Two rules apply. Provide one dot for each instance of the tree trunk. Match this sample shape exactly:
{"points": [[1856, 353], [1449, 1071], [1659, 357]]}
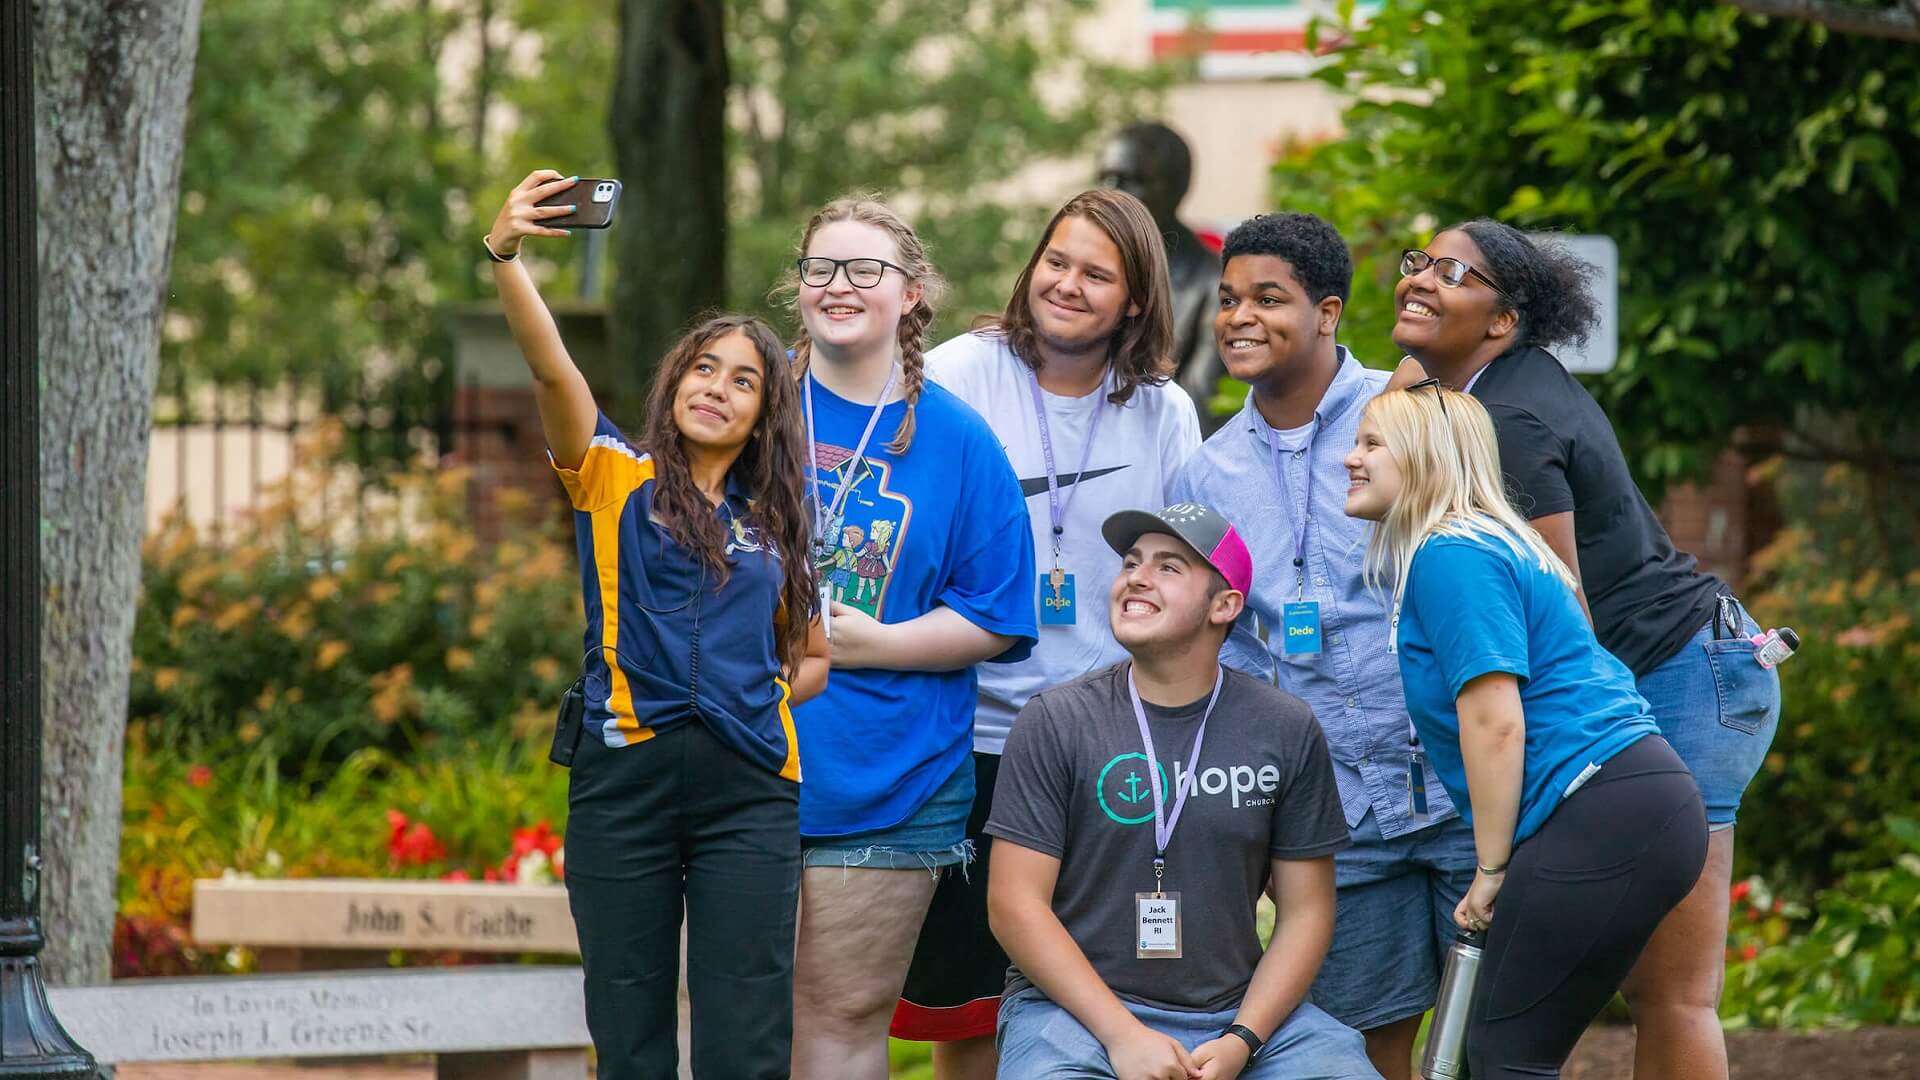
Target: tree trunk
{"points": [[668, 125], [111, 80]]}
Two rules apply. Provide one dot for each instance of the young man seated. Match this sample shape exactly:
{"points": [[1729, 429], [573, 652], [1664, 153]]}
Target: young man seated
{"points": [[1140, 813]]}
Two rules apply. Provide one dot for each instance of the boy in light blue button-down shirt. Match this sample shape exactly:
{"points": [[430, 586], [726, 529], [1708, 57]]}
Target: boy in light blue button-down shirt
{"points": [[1278, 463]]}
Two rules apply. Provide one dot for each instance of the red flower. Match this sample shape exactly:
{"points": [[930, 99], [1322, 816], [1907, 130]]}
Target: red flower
{"points": [[1740, 891], [199, 776], [1749, 952], [456, 875], [412, 845]]}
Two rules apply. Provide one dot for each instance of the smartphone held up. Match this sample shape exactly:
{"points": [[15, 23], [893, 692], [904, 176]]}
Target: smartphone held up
{"points": [[595, 199]]}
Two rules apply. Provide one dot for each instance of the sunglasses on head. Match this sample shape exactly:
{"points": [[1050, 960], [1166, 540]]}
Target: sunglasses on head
{"points": [[1439, 392], [1452, 272]]}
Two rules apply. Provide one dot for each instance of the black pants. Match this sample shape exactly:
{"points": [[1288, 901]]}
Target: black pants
{"points": [[681, 820], [1582, 897]]}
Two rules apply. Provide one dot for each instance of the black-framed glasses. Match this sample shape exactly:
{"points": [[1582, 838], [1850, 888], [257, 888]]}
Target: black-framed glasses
{"points": [[1439, 392], [861, 273], [1451, 272]]}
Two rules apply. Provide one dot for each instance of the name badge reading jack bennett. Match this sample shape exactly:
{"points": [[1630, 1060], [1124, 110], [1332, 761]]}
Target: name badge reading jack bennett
{"points": [[1157, 922]]}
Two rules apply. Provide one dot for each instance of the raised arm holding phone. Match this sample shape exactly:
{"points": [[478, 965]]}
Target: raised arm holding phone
{"points": [[700, 636]]}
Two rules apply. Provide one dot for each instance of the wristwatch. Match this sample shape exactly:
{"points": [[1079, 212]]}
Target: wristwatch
{"points": [[1246, 1035]]}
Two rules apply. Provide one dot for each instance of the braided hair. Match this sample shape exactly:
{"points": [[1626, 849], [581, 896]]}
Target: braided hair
{"points": [[911, 334]]}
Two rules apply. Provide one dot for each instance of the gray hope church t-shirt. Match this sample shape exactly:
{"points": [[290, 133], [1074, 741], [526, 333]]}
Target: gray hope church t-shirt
{"points": [[1073, 784]]}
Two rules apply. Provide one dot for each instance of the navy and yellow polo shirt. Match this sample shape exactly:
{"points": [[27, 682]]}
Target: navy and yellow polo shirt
{"points": [[684, 650]]}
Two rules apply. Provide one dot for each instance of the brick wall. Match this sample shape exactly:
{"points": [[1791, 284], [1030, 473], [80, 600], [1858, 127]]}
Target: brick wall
{"points": [[1719, 521], [497, 436]]}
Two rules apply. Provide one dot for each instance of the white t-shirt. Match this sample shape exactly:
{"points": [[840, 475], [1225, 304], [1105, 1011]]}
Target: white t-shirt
{"points": [[1141, 445]]}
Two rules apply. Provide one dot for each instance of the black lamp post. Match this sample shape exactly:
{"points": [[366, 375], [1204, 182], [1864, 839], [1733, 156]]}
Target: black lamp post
{"points": [[32, 1043]]}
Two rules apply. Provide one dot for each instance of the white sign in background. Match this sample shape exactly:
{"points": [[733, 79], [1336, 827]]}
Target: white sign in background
{"points": [[1603, 348]]}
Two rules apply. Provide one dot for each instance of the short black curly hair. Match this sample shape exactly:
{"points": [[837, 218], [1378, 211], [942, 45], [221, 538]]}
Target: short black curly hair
{"points": [[1542, 281], [1316, 250]]}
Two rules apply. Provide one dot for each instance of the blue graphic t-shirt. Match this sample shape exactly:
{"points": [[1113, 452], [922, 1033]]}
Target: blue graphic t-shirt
{"points": [[1475, 606], [944, 523]]}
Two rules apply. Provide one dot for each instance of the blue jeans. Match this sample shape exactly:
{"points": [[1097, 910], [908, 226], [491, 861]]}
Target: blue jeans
{"points": [[1718, 708], [1393, 921], [933, 838], [1039, 1040]]}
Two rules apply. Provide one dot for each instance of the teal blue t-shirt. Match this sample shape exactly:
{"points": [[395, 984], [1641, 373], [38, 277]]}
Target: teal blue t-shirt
{"points": [[1475, 606]]}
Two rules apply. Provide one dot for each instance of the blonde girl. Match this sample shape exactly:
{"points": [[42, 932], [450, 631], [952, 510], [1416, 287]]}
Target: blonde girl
{"points": [[1587, 826]]}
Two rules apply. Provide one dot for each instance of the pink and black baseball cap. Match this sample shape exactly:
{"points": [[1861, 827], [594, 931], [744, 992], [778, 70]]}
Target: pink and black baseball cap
{"points": [[1202, 527]]}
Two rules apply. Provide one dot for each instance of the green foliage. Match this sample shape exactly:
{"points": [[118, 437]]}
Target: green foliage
{"points": [[1859, 962], [315, 650], [1844, 759], [208, 807], [320, 191], [1753, 173], [335, 180]]}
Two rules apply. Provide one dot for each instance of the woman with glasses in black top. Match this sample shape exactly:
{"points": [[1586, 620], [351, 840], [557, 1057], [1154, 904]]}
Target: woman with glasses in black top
{"points": [[1478, 310]]}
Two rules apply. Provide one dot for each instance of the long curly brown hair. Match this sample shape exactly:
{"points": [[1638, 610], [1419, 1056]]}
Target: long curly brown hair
{"points": [[769, 469], [912, 334], [1141, 349]]}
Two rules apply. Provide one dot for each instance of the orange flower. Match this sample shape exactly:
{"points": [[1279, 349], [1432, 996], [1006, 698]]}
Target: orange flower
{"points": [[165, 679], [459, 659], [330, 654], [199, 776], [321, 589]]}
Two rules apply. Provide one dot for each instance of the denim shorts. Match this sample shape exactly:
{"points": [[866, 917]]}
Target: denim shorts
{"points": [[932, 838], [1039, 1040], [1718, 708], [1393, 921]]}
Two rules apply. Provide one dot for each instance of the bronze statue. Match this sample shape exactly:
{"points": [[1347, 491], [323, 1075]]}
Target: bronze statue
{"points": [[1151, 162]]}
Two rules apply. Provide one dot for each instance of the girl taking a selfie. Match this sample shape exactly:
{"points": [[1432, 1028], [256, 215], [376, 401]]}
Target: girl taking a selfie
{"points": [[1587, 826], [927, 569], [700, 638]]}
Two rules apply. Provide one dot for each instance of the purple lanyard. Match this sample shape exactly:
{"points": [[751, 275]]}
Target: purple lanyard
{"points": [[1163, 823], [825, 515], [1056, 510], [1306, 501]]}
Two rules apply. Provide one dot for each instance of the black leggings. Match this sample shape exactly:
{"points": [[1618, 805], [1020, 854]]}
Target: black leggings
{"points": [[1582, 897], [682, 822]]}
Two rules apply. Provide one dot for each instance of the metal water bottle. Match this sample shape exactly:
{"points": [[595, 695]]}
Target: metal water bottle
{"points": [[1446, 1054]]}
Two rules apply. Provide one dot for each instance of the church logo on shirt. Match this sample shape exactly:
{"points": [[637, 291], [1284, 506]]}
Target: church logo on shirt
{"points": [[864, 540], [1125, 791]]}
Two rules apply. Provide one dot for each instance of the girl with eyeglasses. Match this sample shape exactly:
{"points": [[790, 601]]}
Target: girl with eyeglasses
{"points": [[698, 596], [910, 489], [1478, 310], [1587, 826]]}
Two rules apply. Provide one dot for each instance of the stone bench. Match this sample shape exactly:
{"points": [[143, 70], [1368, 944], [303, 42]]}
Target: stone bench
{"points": [[493, 1022], [319, 924]]}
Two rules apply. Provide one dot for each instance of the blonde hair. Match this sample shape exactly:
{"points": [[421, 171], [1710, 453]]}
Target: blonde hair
{"points": [[1449, 463], [912, 333]]}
